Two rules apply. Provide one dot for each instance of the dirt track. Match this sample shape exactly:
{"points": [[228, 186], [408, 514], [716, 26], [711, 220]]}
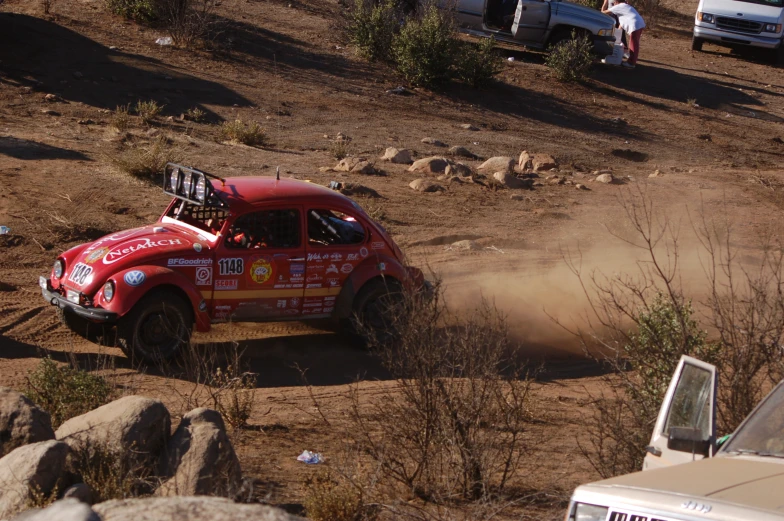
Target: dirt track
{"points": [[286, 68]]}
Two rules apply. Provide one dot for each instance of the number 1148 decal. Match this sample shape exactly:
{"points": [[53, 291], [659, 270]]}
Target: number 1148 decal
{"points": [[231, 266]]}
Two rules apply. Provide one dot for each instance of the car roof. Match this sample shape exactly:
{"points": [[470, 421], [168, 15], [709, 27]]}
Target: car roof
{"points": [[242, 193]]}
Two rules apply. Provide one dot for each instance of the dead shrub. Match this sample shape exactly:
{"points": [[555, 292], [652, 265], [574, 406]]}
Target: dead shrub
{"points": [[112, 474], [189, 22], [196, 115], [148, 110], [331, 497], [340, 148], [455, 425], [238, 131], [146, 161], [233, 390], [47, 5], [121, 118]]}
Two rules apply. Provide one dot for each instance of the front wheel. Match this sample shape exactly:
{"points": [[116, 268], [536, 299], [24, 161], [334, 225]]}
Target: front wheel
{"points": [[156, 329], [377, 310], [696, 43], [97, 333]]}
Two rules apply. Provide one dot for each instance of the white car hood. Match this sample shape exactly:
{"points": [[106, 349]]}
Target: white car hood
{"points": [[750, 11]]}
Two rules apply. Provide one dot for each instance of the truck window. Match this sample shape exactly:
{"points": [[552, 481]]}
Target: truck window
{"points": [[265, 229]]}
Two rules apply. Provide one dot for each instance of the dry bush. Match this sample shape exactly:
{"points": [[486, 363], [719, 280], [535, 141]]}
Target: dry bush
{"points": [[66, 391], [112, 474], [196, 114], [146, 161], [455, 426], [340, 148], [233, 391], [139, 10], [332, 497], [39, 499], [148, 110], [238, 131], [189, 22], [121, 118], [47, 5]]}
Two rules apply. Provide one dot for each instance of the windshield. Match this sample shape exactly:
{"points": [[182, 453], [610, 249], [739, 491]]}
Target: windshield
{"points": [[775, 3], [207, 218], [763, 431]]}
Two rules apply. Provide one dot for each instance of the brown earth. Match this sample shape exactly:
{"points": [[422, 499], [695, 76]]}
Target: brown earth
{"points": [[710, 122]]}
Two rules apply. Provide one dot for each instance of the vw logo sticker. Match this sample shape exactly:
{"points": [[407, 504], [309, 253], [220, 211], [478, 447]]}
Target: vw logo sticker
{"points": [[135, 278]]}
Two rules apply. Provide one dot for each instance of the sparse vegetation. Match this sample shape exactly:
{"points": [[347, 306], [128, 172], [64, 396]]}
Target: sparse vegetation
{"points": [[372, 26], [238, 131], [112, 474], [148, 110], [340, 148], [195, 114], [331, 498], [189, 22], [65, 392], [138, 10], [233, 392], [47, 5], [145, 161], [571, 59], [121, 118], [477, 65], [424, 50]]}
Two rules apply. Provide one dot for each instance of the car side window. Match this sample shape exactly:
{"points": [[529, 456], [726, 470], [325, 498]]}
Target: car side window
{"points": [[265, 229], [332, 227]]}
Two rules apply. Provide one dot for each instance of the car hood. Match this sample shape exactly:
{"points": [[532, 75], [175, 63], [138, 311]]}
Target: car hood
{"points": [[123, 250], [750, 482], [750, 10], [592, 15]]}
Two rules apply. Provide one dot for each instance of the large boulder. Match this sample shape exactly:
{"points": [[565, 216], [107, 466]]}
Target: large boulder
{"points": [[423, 185], [536, 162], [33, 468], [133, 425], [434, 142], [201, 508], [430, 165], [21, 421], [507, 180], [199, 458], [605, 178], [462, 152], [347, 164], [401, 157], [497, 164], [64, 510], [458, 169]]}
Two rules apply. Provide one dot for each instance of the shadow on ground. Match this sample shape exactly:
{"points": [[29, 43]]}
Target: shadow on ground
{"points": [[26, 150]]}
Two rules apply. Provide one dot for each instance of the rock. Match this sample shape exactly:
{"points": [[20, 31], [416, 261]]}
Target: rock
{"points": [[201, 508], [78, 75], [52, 98], [21, 421], [400, 91], [49, 112], [80, 492], [347, 164], [468, 126], [423, 185], [458, 169], [462, 152], [64, 510], [497, 164], [517, 197], [31, 468], [325, 169], [600, 172], [605, 178], [342, 137], [556, 180], [400, 157], [434, 142], [536, 162], [364, 167], [86, 122], [199, 458], [135, 425], [508, 180], [356, 189], [656, 173], [450, 178], [466, 245], [429, 165], [581, 187]]}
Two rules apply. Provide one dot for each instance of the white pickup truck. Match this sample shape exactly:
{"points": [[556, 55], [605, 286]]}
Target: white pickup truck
{"points": [[684, 478], [740, 23]]}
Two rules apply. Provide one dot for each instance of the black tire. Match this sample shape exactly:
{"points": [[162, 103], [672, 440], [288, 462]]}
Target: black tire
{"points": [[373, 318], [561, 35], [96, 333], [156, 329], [696, 43]]}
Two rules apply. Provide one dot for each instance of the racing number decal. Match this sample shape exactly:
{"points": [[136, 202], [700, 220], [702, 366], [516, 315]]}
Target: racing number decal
{"points": [[231, 266], [80, 273]]}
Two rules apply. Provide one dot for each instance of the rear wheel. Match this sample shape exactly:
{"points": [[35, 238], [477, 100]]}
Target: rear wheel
{"points": [[376, 310], [156, 329], [696, 43]]}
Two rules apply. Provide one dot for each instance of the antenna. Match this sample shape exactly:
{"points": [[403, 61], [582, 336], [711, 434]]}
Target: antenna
{"points": [[277, 174]]}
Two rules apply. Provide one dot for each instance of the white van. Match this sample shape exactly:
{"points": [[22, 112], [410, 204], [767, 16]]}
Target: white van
{"points": [[740, 23]]}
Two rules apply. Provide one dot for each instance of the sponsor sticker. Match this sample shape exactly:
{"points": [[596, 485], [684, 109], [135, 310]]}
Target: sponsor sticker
{"points": [[282, 303], [202, 306], [329, 299], [332, 269], [363, 251], [96, 255], [313, 286], [233, 266], [313, 277], [297, 269], [329, 309], [197, 247], [377, 245], [352, 257], [261, 270], [291, 312], [225, 284], [311, 304], [79, 274], [135, 278], [382, 266], [316, 257], [346, 268], [223, 308], [204, 276], [189, 262], [294, 302], [333, 282], [336, 257], [135, 245]]}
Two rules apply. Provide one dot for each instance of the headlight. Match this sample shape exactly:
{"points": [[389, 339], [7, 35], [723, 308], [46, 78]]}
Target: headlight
{"points": [[772, 28], [58, 268], [705, 17], [584, 512], [186, 184], [108, 291], [174, 179], [201, 188], [605, 32]]}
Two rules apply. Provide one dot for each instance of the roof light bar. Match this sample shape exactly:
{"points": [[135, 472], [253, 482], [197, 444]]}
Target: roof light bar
{"points": [[188, 184]]}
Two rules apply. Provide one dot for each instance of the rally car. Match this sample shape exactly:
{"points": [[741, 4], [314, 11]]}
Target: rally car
{"points": [[235, 249]]}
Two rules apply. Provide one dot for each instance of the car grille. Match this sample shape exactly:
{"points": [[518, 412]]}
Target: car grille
{"points": [[616, 515], [741, 26]]}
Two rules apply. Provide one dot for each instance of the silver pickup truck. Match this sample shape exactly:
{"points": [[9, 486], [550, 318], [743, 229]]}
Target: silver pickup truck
{"points": [[685, 477], [535, 23]]}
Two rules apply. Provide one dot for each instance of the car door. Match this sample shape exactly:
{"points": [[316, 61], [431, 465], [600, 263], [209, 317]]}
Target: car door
{"points": [[531, 19], [337, 242], [469, 13], [260, 266], [686, 427]]}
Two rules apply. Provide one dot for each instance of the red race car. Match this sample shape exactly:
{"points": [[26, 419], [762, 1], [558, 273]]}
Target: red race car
{"points": [[237, 249]]}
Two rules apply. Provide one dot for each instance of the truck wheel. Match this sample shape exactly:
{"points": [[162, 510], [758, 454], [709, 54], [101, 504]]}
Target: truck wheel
{"points": [[156, 329], [374, 310], [561, 35], [696, 43], [96, 333]]}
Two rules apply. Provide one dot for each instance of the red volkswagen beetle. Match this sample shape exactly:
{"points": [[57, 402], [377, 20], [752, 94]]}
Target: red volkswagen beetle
{"points": [[235, 249]]}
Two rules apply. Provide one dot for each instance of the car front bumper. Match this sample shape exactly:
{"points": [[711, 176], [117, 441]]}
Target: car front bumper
{"points": [[735, 39], [603, 45], [90, 313]]}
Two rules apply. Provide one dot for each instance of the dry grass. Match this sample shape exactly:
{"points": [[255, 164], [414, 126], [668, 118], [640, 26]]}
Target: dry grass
{"points": [[148, 110], [146, 161], [121, 118], [238, 131]]}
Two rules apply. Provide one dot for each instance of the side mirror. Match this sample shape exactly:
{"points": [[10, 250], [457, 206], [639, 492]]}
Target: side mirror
{"points": [[688, 439]]}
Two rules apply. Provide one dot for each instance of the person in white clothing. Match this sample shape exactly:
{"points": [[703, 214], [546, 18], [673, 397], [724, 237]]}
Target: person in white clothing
{"points": [[633, 24], [605, 6]]}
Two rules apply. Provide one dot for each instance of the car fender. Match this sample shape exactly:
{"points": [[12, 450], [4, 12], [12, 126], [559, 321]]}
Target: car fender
{"points": [[378, 265], [130, 287]]}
